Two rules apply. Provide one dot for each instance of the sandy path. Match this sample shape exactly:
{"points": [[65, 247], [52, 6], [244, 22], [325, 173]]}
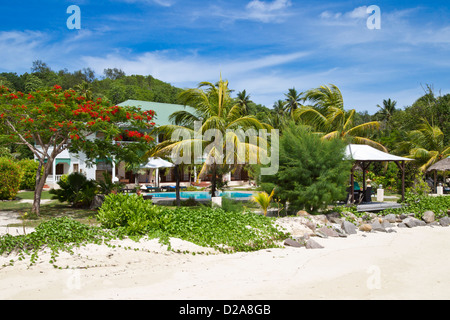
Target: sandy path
{"points": [[409, 264]]}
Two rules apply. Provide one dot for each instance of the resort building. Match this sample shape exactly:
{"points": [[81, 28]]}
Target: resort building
{"points": [[66, 162]]}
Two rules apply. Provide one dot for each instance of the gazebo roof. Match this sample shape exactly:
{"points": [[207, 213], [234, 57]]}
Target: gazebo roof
{"points": [[362, 152], [443, 165]]}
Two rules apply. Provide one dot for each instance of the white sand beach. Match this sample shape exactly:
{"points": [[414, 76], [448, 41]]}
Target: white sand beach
{"points": [[408, 264]]}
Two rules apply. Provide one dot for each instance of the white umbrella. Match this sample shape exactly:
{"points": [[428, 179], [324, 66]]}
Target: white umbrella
{"points": [[155, 163]]}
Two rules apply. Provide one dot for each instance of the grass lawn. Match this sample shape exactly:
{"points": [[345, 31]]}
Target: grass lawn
{"points": [[29, 195], [49, 210]]}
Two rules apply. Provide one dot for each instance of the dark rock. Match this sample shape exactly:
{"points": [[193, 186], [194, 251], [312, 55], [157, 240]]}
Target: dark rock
{"points": [[390, 218], [386, 224], [348, 227], [325, 232], [292, 243], [411, 222], [376, 226], [312, 244], [445, 221]]}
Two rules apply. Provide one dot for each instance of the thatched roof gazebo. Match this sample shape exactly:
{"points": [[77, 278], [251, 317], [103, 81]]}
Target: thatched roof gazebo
{"points": [[364, 155], [443, 166]]}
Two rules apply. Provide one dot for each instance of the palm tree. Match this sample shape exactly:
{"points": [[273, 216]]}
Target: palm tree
{"points": [[243, 99], [426, 145], [293, 100], [278, 118], [329, 118], [387, 110], [263, 199], [214, 109], [325, 97]]}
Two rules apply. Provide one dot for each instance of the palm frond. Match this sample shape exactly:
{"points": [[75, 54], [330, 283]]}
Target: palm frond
{"points": [[362, 140], [364, 129]]}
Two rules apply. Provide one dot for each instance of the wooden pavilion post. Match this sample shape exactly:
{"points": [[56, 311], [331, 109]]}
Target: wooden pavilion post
{"points": [[401, 166], [352, 183]]}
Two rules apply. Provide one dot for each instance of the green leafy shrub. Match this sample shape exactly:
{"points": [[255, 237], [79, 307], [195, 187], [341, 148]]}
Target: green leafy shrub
{"points": [[29, 170], [204, 226], [131, 213], [75, 189], [58, 234], [10, 176], [224, 231], [312, 172]]}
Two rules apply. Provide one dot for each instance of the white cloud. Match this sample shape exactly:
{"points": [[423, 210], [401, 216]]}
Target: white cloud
{"points": [[344, 18], [20, 48], [166, 66], [267, 11], [164, 3], [257, 10]]}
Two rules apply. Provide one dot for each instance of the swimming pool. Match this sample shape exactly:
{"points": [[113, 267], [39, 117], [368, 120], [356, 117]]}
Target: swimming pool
{"points": [[201, 195]]}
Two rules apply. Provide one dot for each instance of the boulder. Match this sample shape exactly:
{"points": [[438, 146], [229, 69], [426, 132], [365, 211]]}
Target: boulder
{"points": [[348, 227], [377, 226], [387, 224], [325, 232], [365, 227], [445, 221], [390, 218], [412, 222], [312, 244], [428, 216], [292, 243]]}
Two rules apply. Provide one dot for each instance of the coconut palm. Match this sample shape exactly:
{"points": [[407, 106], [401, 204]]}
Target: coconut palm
{"points": [[426, 145], [325, 97], [329, 118], [387, 111], [213, 109], [243, 99], [263, 199], [293, 100]]}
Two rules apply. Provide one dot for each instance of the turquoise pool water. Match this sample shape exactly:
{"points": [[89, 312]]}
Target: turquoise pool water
{"points": [[199, 195]]}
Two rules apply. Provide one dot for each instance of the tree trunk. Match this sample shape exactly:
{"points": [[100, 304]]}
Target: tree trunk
{"points": [[177, 188], [39, 186], [213, 181]]}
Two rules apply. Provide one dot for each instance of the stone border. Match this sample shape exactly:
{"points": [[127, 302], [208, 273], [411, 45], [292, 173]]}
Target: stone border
{"points": [[304, 227]]}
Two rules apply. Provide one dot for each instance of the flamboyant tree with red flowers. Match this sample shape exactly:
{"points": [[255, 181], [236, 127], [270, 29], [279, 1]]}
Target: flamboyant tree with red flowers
{"points": [[52, 120]]}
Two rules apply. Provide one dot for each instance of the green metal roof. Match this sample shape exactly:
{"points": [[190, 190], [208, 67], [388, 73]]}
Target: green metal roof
{"points": [[162, 110]]}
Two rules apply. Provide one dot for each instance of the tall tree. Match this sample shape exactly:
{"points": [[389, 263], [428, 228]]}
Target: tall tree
{"points": [[52, 120], [325, 97], [329, 118], [217, 112], [386, 111], [243, 99], [293, 100], [426, 145]]}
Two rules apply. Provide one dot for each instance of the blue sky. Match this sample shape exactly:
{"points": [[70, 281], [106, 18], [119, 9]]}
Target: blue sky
{"points": [[263, 46]]}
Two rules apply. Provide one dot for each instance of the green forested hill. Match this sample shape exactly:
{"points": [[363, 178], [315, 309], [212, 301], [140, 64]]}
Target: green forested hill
{"points": [[113, 84]]}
